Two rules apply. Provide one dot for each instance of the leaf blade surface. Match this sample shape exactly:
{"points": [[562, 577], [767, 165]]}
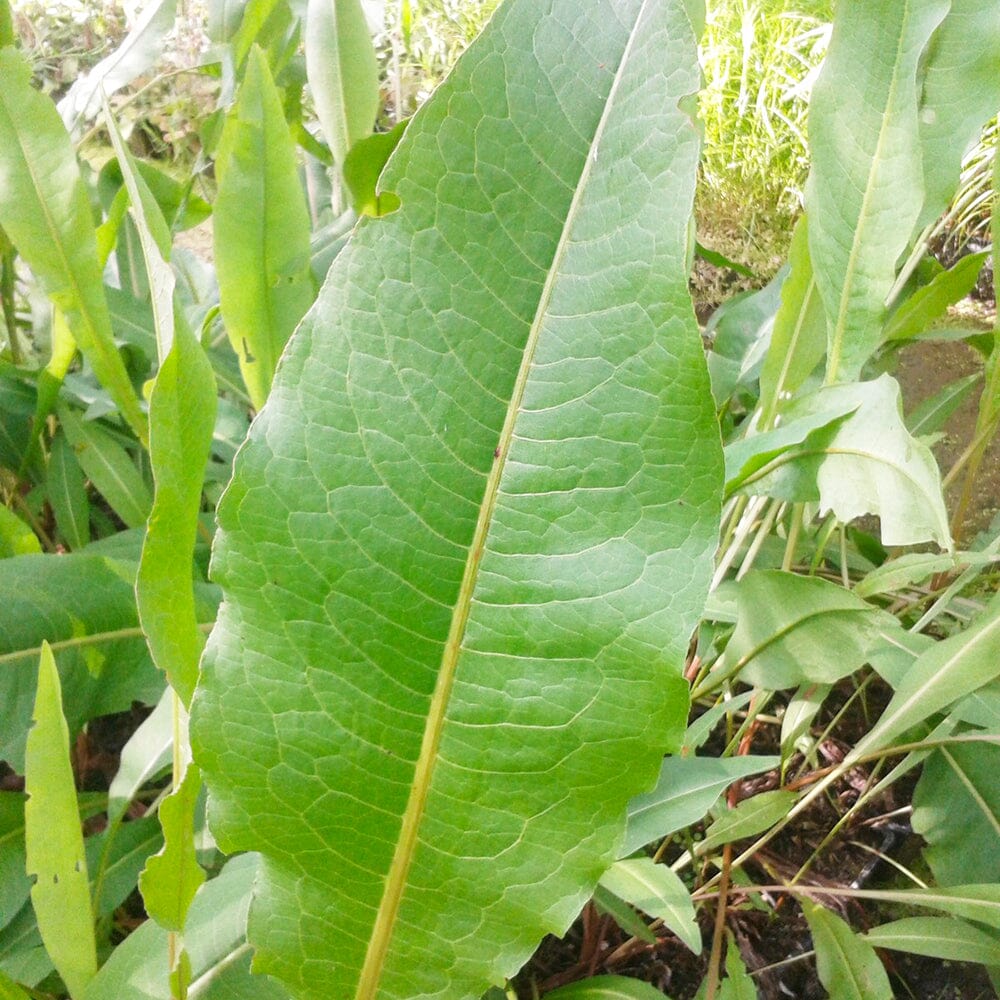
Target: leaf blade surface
{"points": [[504, 560]]}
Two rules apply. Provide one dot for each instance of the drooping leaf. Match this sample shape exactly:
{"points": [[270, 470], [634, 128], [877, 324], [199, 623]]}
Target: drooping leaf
{"points": [[54, 838], [171, 878], [261, 226], [960, 92], [794, 630], [847, 965], [956, 809], [946, 672], [215, 941], [687, 788], [363, 167], [658, 891], [489, 455], [798, 340], [863, 197], [68, 493], [608, 988], [932, 300], [343, 72], [45, 210], [868, 464], [108, 466], [937, 937], [136, 54]]}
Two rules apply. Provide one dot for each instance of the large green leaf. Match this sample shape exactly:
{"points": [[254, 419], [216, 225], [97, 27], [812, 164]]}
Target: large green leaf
{"points": [[956, 809], [608, 988], [469, 536], [261, 230], [45, 210], [864, 195], [343, 72], [54, 839]]}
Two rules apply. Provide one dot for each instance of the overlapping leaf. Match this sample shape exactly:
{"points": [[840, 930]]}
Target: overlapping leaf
{"points": [[471, 531]]}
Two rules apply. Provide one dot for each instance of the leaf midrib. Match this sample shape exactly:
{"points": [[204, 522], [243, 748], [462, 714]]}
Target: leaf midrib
{"points": [[370, 975]]}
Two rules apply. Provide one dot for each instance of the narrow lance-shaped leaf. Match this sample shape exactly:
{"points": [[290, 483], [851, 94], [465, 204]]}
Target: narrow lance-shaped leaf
{"points": [[182, 409], [172, 877], [847, 965], [865, 190], [54, 838], [798, 340], [68, 493], [45, 211], [470, 534], [343, 72], [940, 676], [261, 230]]}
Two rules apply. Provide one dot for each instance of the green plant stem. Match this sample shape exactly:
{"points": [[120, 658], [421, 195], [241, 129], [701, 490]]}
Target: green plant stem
{"points": [[7, 255], [743, 528], [776, 509], [794, 530]]}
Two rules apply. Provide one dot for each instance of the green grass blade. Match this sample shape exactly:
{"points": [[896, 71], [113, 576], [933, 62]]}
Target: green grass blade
{"points": [[54, 838], [45, 210], [261, 230], [489, 454], [343, 72], [864, 196], [847, 965]]}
